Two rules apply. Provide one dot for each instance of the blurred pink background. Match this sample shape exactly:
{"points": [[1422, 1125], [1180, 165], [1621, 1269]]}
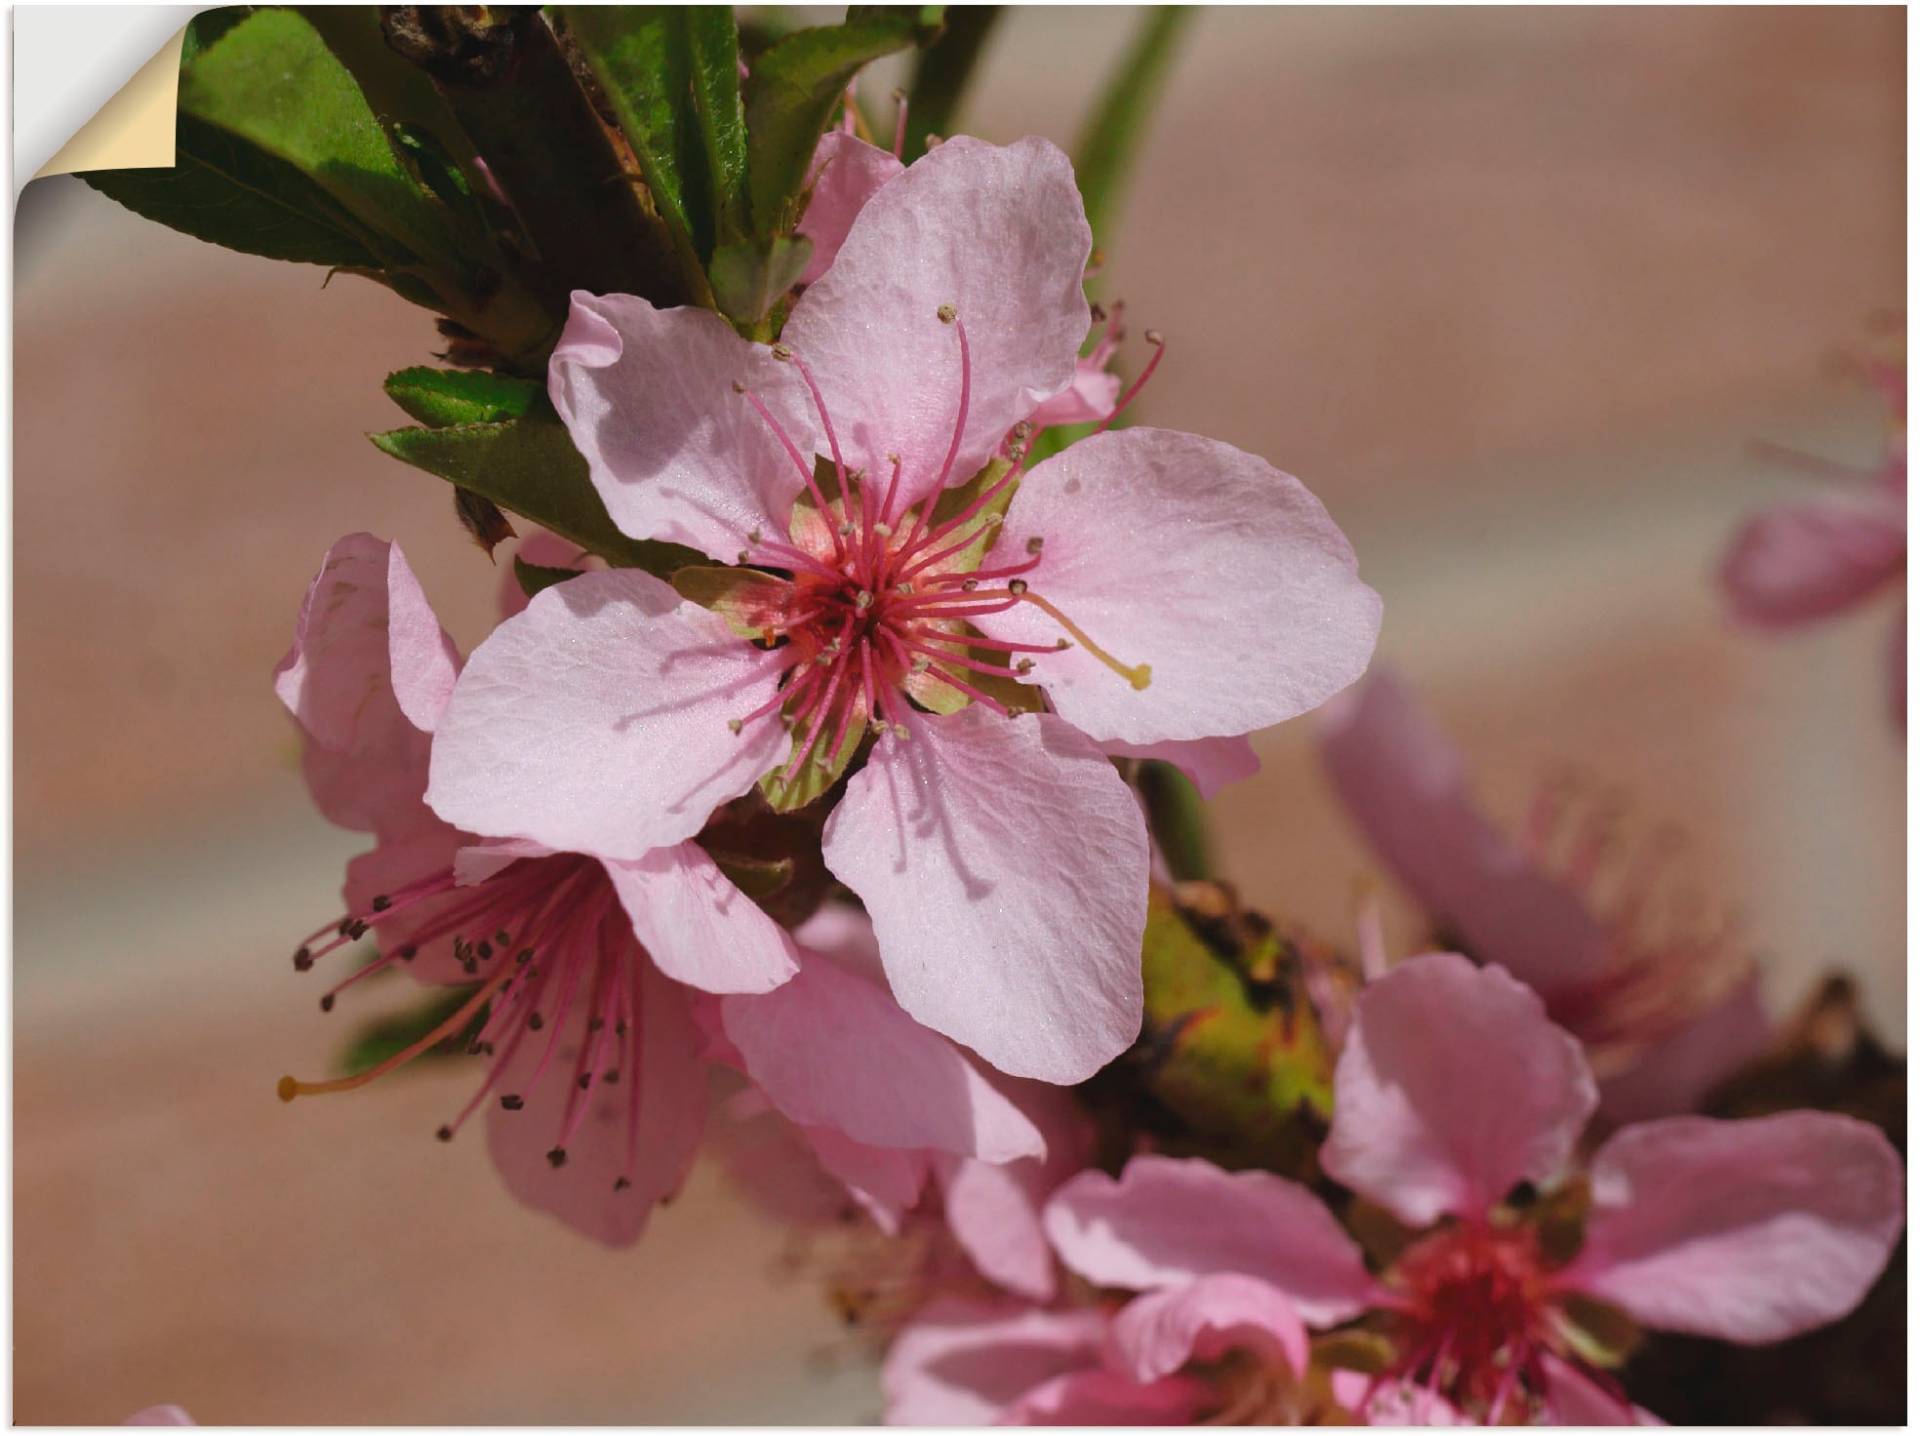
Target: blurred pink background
{"points": [[1514, 290]]}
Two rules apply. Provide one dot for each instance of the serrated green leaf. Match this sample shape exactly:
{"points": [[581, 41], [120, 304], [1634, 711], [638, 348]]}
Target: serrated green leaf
{"points": [[226, 191], [530, 466], [751, 276], [383, 1037], [1104, 157], [748, 599], [535, 578], [272, 81], [672, 75], [440, 397], [792, 90]]}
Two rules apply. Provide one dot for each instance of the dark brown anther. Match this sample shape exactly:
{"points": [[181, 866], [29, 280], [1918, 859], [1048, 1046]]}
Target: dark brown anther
{"points": [[586, 1080], [621, 1184], [557, 1158], [445, 1134], [511, 1101], [408, 953], [611, 1076], [326, 1003], [302, 961], [1016, 586], [502, 938], [356, 929], [535, 1022], [594, 1024], [382, 903], [484, 951], [524, 956]]}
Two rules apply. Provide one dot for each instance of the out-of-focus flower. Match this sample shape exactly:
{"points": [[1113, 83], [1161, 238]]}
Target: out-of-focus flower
{"points": [[590, 977], [1002, 860], [1806, 562], [1458, 1106], [1665, 1008]]}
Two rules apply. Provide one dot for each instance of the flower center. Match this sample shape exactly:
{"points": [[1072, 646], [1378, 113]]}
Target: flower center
{"points": [[549, 945], [882, 597], [1477, 1308]]}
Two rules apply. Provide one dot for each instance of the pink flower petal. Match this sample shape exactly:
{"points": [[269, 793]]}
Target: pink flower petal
{"points": [[672, 1092], [1393, 1403], [1004, 865], [1676, 1073], [1087, 400], [885, 1181], [597, 721], [1403, 784], [1158, 1333], [675, 453], [364, 631], [1798, 563], [1211, 763], [999, 234], [960, 1363], [770, 1160], [1220, 573], [993, 1210], [1750, 1231], [847, 173], [699, 928], [1576, 1399], [832, 1049], [1169, 1220], [403, 858], [1106, 1398], [1453, 1087]]}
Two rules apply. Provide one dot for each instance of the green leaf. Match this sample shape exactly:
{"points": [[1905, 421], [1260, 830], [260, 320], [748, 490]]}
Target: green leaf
{"points": [[535, 578], [672, 75], [530, 466], [941, 78], [228, 192], [440, 397], [209, 25], [272, 81], [793, 88], [384, 1037], [751, 276], [748, 599], [1111, 140]]}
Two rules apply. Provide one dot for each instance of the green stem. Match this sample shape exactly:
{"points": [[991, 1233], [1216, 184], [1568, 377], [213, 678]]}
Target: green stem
{"points": [[946, 67], [1177, 817]]}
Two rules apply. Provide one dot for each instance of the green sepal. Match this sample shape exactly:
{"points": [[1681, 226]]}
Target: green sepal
{"points": [[812, 779], [761, 879], [751, 276], [748, 599], [1355, 1349], [382, 1037], [943, 698], [1599, 1333], [439, 398], [793, 88], [530, 466], [536, 578], [983, 527]]}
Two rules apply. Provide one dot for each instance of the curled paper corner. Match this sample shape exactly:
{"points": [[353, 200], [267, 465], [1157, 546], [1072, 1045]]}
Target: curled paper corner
{"points": [[95, 87]]}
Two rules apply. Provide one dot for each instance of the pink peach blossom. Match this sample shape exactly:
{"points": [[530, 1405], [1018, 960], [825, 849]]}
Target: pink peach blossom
{"points": [[1454, 1089], [1808, 561], [1000, 856], [593, 974], [1666, 1013]]}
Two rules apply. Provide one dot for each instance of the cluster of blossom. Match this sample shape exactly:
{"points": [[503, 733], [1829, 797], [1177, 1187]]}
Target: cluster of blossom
{"points": [[902, 616]]}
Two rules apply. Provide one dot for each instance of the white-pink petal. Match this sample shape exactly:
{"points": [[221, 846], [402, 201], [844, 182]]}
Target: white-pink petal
{"points": [[1453, 1087], [961, 1363], [1222, 575], [1168, 1220], [998, 233], [832, 1049], [1798, 563], [1004, 865], [597, 721], [1749, 1231], [847, 172], [673, 451], [670, 1088], [1210, 763], [699, 928], [1098, 1397], [1203, 1320]]}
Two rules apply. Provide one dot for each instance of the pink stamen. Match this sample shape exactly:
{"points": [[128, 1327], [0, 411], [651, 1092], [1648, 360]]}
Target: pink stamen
{"points": [[1133, 390]]}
